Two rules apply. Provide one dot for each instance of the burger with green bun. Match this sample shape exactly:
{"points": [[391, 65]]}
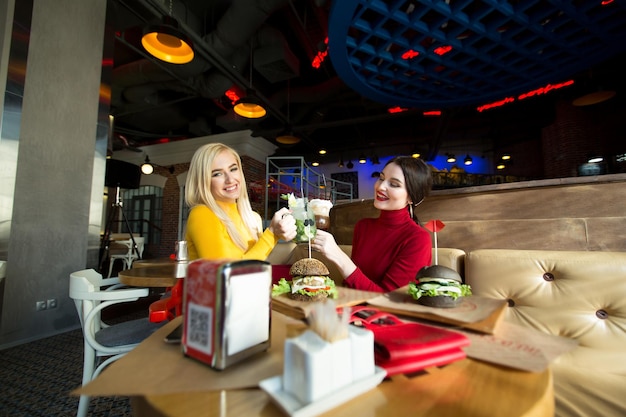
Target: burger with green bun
{"points": [[310, 282], [438, 286]]}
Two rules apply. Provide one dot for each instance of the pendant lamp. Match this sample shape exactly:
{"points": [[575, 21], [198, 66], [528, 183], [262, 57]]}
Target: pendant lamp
{"points": [[250, 106], [166, 42], [287, 138], [147, 167]]}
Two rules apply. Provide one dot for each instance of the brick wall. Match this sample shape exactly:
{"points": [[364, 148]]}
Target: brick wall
{"points": [[255, 173], [579, 132], [171, 201]]}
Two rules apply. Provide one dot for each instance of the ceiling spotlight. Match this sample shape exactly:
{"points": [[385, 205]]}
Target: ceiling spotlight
{"points": [[375, 160], [166, 42], [468, 160], [340, 164], [451, 158], [375, 174], [250, 106], [362, 159], [500, 166], [350, 165], [322, 151], [595, 159], [315, 163], [506, 157], [147, 167], [416, 155]]}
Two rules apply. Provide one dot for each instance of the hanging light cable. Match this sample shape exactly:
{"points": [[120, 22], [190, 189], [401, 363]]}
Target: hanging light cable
{"points": [[288, 138], [166, 42], [250, 106]]}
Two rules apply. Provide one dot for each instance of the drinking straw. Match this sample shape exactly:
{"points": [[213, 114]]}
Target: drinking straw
{"points": [[436, 251], [305, 201]]}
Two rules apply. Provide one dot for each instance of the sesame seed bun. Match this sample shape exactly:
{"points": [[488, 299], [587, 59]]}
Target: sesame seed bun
{"points": [[308, 267]]}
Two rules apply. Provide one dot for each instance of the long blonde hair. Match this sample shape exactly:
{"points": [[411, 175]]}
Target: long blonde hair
{"points": [[198, 192]]}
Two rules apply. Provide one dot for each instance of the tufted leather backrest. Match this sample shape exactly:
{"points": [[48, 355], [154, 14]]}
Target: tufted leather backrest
{"points": [[575, 294]]}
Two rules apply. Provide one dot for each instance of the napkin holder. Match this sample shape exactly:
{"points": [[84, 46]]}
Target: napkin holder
{"points": [[227, 311], [314, 368]]}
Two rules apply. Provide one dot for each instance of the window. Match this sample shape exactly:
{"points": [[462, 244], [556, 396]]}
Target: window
{"points": [[144, 210]]}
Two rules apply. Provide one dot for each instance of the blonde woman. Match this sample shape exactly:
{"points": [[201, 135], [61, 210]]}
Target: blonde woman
{"points": [[221, 223]]}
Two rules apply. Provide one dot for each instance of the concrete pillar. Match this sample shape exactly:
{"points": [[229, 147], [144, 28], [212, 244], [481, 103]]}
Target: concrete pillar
{"points": [[55, 166]]}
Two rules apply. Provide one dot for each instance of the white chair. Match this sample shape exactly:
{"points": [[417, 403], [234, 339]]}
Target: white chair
{"points": [[129, 256], [104, 343]]}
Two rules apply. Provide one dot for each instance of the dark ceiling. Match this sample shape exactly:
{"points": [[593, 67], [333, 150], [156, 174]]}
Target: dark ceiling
{"points": [[497, 50]]}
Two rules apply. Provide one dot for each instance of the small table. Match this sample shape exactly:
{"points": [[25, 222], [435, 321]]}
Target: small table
{"points": [[164, 275], [141, 263]]}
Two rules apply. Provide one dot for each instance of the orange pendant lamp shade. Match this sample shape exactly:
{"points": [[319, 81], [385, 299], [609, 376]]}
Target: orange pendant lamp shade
{"points": [[167, 43], [250, 107]]}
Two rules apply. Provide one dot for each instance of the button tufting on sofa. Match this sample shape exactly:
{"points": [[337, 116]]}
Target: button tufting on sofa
{"points": [[589, 380]]}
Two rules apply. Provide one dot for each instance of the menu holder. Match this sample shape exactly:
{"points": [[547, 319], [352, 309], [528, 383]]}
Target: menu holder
{"points": [[348, 297], [476, 313]]}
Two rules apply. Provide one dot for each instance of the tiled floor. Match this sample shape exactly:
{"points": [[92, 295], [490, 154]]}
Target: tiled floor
{"points": [[36, 378]]}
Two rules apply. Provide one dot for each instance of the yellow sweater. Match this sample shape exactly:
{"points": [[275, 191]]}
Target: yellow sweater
{"points": [[207, 237]]}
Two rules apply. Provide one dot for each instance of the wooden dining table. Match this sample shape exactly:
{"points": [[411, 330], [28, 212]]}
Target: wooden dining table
{"points": [[466, 388], [463, 388]]}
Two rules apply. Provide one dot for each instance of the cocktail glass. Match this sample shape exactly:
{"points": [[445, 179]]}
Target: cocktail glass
{"points": [[321, 210], [305, 219]]}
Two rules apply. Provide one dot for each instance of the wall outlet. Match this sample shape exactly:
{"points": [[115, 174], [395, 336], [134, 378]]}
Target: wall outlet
{"points": [[52, 303], [41, 305]]}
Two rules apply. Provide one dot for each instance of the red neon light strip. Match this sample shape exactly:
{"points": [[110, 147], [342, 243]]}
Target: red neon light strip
{"points": [[537, 92]]}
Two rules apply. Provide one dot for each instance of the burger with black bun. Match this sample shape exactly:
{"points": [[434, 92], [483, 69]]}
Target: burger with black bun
{"points": [[438, 286], [310, 282]]}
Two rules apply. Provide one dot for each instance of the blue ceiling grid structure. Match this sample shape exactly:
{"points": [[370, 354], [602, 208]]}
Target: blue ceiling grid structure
{"points": [[498, 48]]}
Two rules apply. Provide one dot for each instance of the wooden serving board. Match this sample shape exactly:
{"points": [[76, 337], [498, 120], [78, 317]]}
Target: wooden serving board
{"points": [[481, 314], [300, 309]]}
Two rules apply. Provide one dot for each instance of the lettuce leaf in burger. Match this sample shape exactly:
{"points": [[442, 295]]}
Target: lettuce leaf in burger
{"points": [[310, 282], [438, 286]]}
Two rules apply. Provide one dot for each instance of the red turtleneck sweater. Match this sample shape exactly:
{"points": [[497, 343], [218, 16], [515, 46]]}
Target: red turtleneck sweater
{"points": [[388, 251]]}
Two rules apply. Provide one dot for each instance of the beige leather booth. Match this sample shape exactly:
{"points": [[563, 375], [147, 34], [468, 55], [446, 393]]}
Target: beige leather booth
{"points": [[575, 294]]}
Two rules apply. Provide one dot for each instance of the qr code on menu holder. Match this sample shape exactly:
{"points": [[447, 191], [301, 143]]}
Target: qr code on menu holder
{"points": [[200, 327]]}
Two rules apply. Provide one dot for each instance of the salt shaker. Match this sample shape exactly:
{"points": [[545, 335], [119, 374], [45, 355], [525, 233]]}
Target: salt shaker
{"points": [[181, 259], [181, 251]]}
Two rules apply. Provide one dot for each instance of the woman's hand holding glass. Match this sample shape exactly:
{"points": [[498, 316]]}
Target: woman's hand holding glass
{"points": [[283, 225], [325, 243]]}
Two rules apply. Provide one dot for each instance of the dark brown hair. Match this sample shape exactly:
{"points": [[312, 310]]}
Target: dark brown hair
{"points": [[417, 177]]}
